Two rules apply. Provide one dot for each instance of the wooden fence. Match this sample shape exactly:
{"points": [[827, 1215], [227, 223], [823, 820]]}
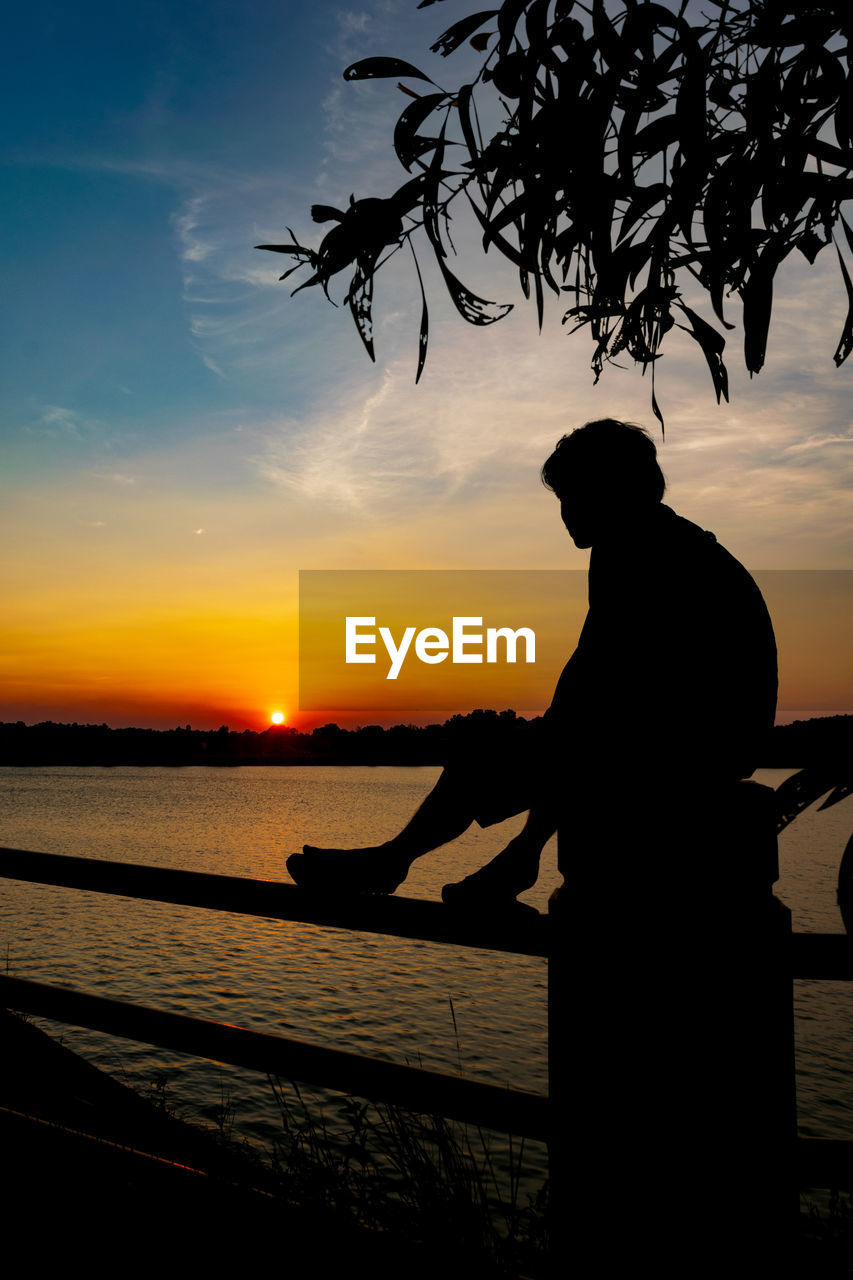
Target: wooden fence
{"points": [[812, 956]]}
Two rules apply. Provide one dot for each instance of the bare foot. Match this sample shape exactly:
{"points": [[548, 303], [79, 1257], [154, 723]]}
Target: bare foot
{"points": [[498, 883], [378, 869]]}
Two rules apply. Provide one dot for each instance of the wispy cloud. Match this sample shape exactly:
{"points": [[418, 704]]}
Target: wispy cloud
{"points": [[58, 420], [818, 442], [211, 364], [120, 478], [186, 223], [481, 421]]}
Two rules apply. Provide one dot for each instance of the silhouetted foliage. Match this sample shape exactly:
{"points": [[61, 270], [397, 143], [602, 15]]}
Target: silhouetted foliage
{"points": [[643, 155], [819, 744], [90, 744]]}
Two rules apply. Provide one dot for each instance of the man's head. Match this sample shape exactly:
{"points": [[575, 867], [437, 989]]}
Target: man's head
{"points": [[606, 476]]}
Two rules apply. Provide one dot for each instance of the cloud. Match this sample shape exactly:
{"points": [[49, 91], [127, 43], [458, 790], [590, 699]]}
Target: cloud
{"points": [[211, 364], [817, 442], [56, 420], [186, 222], [483, 420], [120, 478]]}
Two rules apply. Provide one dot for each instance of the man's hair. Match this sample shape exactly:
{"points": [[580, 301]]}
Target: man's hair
{"points": [[619, 453]]}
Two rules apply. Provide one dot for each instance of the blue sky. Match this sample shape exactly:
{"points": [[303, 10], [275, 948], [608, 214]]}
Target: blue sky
{"points": [[120, 122], [177, 428]]}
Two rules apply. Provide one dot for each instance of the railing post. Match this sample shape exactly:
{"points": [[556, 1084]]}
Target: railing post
{"points": [[756, 962], [559, 1077], [671, 1036]]}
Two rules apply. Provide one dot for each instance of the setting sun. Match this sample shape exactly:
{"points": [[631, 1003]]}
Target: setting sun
{"points": [[277, 717]]}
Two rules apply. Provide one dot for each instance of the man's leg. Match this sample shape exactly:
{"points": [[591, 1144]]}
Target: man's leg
{"points": [[445, 813], [513, 870]]}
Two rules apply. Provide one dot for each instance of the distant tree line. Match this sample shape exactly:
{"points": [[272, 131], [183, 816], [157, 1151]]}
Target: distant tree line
{"points": [[98, 744], [797, 745]]}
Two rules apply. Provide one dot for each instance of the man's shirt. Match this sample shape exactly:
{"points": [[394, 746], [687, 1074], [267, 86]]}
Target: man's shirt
{"points": [[675, 668]]}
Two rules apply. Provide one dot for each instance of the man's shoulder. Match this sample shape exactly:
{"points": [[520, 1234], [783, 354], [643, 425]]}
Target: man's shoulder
{"points": [[670, 525], [684, 539], [703, 575]]}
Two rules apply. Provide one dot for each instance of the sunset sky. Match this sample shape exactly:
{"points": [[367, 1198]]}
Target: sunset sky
{"points": [[181, 437]]}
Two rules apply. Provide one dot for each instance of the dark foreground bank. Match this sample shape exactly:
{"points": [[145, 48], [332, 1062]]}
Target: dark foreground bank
{"points": [[93, 1171]]}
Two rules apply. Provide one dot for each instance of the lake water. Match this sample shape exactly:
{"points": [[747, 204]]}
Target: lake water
{"points": [[374, 995]]}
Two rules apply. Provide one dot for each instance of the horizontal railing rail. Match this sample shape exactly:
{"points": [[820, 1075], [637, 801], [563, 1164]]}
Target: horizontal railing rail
{"points": [[507, 1110], [522, 932], [822, 956]]}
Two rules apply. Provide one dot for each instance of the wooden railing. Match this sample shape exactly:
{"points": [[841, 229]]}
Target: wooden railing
{"points": [[813, 956], [514, 1111]]}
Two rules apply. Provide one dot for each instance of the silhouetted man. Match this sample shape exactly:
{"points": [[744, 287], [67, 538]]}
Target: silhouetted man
{"points": [[670, 1102], [670, 690]]}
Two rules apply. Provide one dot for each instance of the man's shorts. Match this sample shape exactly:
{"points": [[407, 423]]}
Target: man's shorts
{"points": [[510, 773]]}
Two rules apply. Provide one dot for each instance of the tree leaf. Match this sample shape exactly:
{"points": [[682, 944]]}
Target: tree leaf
{"points": [[655, 15], [423, 334], [473, 309], [326, 213], [512, 212], [285, 248], [506, 247], [536, 26], [382, 68], [508, 18], [460, 31], [656, 407], [406, 197], [847, 232], [645, 198], [845, 342], [429, 203], [463, 106], [406, 142], [691, 107], [540, 301], [810, 245], [615, 51], [360, 299], [657, 136], [712, 344], [757, 294], [841, 792]]}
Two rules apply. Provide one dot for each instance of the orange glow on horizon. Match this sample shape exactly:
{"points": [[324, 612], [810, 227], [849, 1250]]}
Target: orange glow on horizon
{"points": [[210, 663]]}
